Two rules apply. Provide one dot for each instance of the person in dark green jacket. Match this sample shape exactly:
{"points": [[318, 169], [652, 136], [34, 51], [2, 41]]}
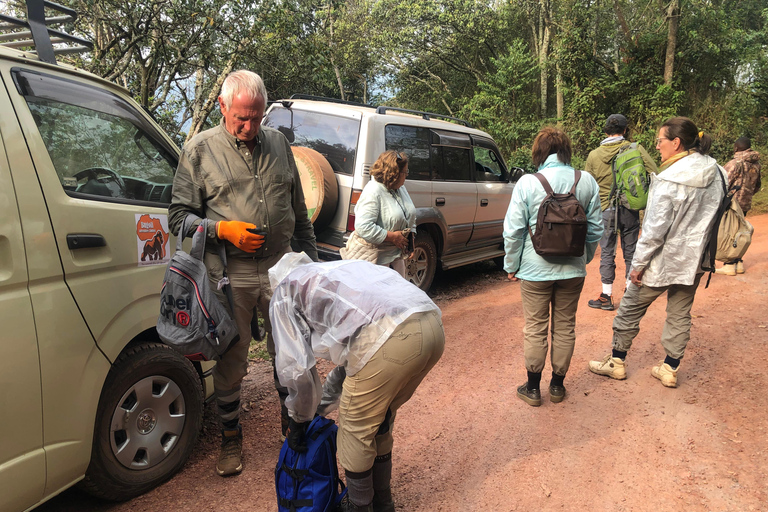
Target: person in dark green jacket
{"points": [[625, 222]]}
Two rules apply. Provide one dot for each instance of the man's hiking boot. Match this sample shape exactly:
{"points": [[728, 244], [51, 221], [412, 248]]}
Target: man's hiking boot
{"points": [[556, 393], [230, 462], [665, 374], [610, 366], [602, 302], [729, 269], [382, 500], [529, 396], [739, 267]]}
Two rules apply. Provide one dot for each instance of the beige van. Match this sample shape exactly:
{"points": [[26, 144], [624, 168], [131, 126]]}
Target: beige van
{"points": [[458, 180], [87, 392]]}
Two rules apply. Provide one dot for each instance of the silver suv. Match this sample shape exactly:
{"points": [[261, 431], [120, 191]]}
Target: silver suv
{"points": [[87, 391], [458, 180]]}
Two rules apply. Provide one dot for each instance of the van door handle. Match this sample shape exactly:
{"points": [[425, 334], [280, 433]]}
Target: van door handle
{"points": [[483, 202], [84, 241], [439, 201]]}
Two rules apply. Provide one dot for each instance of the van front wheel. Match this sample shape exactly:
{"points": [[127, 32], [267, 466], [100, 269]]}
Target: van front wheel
{"points": [[149, 416], [420, 270]]}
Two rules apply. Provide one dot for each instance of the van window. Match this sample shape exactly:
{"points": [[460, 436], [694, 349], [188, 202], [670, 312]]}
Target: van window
{"points": [[100, 147], [332, 136], [414, 142]]}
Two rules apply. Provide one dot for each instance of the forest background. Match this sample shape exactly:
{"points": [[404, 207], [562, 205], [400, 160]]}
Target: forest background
{"points": [[507, 66]]}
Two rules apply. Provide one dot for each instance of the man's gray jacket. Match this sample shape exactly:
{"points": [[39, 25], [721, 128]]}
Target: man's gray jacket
{"points": [[219, 179]]}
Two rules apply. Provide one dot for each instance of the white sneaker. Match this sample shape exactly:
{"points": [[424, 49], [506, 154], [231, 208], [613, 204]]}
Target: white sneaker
{"points": [[610, 366], [665, 374]]}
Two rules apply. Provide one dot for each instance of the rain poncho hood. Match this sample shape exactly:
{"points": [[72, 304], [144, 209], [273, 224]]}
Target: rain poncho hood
{"points": [[682, 203], [343, 311]]}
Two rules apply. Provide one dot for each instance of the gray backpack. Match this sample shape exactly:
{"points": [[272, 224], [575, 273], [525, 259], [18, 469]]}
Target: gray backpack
{"points": [[192, 320]]}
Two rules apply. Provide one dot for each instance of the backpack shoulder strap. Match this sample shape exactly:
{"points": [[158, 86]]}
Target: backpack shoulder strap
{"points": [[576, 178], [544, 183]]}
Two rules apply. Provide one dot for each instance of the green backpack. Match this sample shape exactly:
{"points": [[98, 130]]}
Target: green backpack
{"points": [[630, 179]]}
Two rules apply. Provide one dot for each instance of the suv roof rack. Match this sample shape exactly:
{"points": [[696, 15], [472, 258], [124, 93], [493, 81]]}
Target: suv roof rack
{"points": [[425, 115], [37, 27], [330, 100]]}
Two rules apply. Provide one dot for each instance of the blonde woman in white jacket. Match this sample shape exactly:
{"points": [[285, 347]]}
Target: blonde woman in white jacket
{"points": [[682, 204], [384, 215]]}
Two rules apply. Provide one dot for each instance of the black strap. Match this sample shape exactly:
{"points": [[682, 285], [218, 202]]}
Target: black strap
{"points": [[292, 505], [724, 205], [317, 433], [295, 474]]}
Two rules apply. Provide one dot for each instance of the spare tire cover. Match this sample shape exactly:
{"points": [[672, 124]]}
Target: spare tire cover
{"points": [[321, 192]]}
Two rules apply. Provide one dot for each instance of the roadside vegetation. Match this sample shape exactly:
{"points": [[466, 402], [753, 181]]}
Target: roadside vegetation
{"points": [[507, 66]]}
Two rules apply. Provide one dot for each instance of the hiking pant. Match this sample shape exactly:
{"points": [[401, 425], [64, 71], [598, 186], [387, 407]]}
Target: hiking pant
{"points": [[370, 398], [629, 229], [250, 291], [550, 304], [677, 327]]}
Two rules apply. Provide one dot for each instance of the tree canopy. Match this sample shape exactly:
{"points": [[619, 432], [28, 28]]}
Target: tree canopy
{"points": [[507, 66]]}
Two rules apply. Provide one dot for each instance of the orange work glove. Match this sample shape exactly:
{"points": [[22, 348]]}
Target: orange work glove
{"points": [[238, 233]]}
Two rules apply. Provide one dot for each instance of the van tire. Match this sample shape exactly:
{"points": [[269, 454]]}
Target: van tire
{"points": [[318, 181], [134, 397], [420, 270]]}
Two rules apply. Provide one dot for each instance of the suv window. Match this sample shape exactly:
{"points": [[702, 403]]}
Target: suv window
{"points": [[488, 164], [100, 147], [414, 142], [332, 136], [451, 156]]}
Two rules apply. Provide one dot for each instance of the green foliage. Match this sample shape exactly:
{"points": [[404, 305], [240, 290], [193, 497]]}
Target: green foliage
{"points": [[505, 105], [476, 59]]}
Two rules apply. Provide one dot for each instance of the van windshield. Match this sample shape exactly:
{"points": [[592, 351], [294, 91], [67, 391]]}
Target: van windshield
{"points": [[332, 136]]}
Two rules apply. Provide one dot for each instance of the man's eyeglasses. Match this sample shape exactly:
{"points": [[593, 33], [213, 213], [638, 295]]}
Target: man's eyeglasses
{"points": [[659, 139]]}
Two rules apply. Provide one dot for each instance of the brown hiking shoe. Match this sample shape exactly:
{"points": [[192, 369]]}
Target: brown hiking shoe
{"points": [[230, 462], [602, 302], [530, 396]]}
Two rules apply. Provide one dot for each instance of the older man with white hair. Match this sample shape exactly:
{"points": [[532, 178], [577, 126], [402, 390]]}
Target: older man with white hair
{"points": [[242, 176]]}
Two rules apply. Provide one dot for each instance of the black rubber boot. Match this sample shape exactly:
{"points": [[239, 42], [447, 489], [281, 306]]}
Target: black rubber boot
{"points": [[382, 493]]}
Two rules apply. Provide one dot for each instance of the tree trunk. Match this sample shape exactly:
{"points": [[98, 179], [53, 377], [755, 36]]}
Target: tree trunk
{"points": [[542, 36], [338, 79], [673, 21], [559, 87]]}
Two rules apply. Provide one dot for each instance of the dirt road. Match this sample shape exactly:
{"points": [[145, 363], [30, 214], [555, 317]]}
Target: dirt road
{"points": [[465, 442]]}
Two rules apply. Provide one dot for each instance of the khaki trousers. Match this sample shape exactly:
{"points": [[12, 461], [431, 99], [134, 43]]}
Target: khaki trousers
{"points": [[550, 304], [677, 326], [370, 398], [250, 291]]}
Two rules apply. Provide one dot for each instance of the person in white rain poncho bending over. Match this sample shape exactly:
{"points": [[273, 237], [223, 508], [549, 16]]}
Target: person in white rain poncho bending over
{"points": [[384, 334]]}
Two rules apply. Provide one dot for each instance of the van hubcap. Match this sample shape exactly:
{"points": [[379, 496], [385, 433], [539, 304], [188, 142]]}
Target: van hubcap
{"points": [[147, 422]]}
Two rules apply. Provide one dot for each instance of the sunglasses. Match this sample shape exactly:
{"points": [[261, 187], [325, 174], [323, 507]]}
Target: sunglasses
{"points": [[399, 158]]}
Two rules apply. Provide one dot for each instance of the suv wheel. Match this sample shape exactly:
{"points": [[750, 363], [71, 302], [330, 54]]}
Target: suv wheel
{"points": [[420, 270], [149, 416]]}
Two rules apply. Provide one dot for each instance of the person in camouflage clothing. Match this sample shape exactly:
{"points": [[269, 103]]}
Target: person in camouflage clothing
{"points": [[743, 171]]}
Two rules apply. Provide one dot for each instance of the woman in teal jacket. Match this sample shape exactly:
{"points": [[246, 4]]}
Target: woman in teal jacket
{"points": [[552, 282]]}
